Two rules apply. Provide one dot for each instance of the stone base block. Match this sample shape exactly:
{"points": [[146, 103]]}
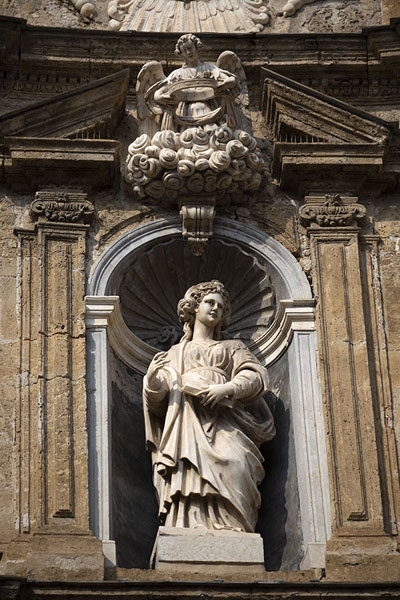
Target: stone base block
{"points": [[55, 557], [226, 551], [369, 559]]}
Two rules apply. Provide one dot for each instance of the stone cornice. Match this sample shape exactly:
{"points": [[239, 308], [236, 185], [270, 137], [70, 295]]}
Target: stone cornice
{"points": [[97, 52], [307, 168], [31, 163]]}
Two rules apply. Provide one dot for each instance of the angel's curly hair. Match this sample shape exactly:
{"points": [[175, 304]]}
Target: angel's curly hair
{"points": [[188, 37], [191, 300]]}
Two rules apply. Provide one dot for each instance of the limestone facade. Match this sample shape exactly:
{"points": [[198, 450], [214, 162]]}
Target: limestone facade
{"points": [[87, 298]]}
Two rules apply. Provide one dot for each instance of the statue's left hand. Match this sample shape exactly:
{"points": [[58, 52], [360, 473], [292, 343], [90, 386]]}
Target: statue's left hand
{"points": [[215, 393]]}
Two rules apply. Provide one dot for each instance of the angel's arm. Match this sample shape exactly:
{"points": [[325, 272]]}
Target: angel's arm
{"points": [[226, 81], [163, 96]]}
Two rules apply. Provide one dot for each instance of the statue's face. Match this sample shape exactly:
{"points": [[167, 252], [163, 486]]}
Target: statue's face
{"points": [[210, 310], [189, 51]]}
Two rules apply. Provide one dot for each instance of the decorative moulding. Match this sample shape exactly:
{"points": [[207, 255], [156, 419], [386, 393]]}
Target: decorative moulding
{"points": [[66, 206], [239, 16], [118, 256], [331, 211], [105, 311]]}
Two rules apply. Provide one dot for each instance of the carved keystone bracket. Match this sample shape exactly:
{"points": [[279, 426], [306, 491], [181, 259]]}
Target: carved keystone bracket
{"points": [[331, 210], [62, 206], [197, 223]]}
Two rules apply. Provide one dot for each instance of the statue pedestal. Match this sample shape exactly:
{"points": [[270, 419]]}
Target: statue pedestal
{"points": [[185, 549]]}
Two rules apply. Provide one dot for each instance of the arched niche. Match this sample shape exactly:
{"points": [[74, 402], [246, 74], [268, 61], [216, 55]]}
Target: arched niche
{"points": [[132, 291]]}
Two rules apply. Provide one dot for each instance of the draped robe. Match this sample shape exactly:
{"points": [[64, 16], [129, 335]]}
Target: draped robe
{"points": [[206, 461]]}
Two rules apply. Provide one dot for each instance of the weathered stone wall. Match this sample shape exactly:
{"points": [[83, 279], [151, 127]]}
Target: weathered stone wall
{"points": [[386, 214]]}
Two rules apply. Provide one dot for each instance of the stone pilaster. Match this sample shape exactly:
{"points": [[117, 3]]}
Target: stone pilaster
{"points": [[52, 501], [359, 525]]}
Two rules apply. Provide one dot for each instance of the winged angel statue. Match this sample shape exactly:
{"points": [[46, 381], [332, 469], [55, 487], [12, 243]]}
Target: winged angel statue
{"points": [[196, 135]]}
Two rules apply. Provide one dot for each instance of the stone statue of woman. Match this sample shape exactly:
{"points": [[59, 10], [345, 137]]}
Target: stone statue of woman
{"points": [[205, 420]]}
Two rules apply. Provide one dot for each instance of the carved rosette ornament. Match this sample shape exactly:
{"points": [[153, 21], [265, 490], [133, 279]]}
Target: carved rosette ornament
{"points": [[333, 211], [196, 145], [62, 206]]}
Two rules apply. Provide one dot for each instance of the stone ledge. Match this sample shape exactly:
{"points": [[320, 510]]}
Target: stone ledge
{"points": [[31, 163], [211, 589]]}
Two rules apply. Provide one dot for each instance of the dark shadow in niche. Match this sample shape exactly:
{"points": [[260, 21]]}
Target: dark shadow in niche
{"points": [[134, 503], [279, 516]]}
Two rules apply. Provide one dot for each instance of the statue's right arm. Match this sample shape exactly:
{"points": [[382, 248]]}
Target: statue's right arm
{"points": [[162, 96]]}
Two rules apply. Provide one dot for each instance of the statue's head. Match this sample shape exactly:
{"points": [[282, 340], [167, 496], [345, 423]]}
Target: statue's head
{"points": [[186, 41], [189, 304]]}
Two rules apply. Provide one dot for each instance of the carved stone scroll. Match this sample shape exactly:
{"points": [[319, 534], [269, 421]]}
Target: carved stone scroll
{"points": [[334, 211], [62, 207]]}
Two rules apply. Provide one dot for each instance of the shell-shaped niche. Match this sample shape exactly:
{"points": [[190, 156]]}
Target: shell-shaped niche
{"points": [[157, 279]]}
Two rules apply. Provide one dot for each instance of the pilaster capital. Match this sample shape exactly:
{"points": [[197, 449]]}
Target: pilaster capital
{"points": [[331, 210], [62, 206]]}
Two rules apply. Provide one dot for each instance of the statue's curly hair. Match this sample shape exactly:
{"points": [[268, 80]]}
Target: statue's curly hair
{"points": [[188, 37], [191, 300]]}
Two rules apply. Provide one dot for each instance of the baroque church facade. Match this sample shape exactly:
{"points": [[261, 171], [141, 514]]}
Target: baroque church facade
{"points": [[282, 182]]}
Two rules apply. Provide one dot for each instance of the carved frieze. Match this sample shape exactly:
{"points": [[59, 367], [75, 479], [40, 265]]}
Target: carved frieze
{"points": [[332, 212], [188, 15], [239, 16], [62, 206]]}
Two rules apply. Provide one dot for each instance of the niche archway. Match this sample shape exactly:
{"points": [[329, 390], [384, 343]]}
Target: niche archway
{"points": [[124, 324]]}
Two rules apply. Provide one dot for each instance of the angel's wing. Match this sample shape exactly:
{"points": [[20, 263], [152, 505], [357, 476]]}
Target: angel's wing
{"points": [[229, 61], [149, 76]]}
